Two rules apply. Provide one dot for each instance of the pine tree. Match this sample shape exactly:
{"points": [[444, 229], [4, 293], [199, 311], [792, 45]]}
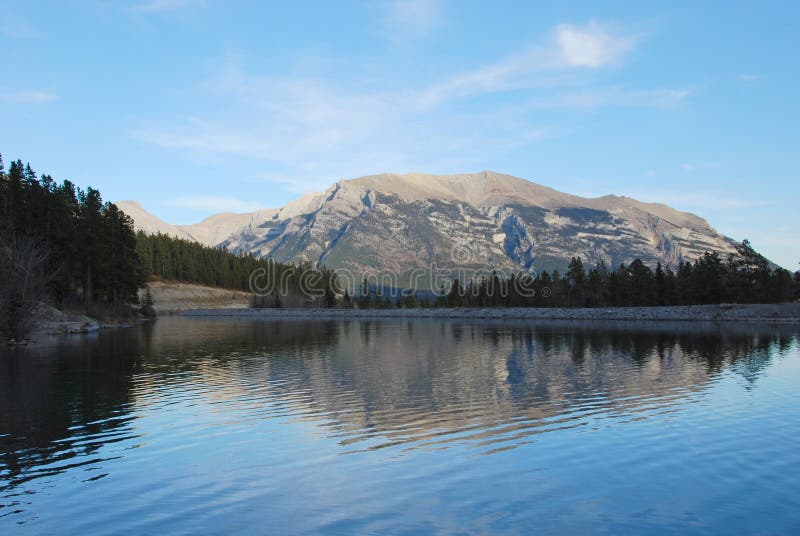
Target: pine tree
{"points": [[576, 279]]}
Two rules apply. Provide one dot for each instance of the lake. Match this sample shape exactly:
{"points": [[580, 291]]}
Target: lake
{"points": [[395, 426]]}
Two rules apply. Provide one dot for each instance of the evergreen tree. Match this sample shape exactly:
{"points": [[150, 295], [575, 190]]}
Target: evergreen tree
{"points": [[91, 245], [641, 284], [576, 283]]}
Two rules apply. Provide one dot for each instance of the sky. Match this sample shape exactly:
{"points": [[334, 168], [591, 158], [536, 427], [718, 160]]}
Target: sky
{"points": [[194, 107]]}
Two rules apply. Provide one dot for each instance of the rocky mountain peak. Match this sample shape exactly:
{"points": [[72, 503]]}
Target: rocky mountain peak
{"points": [[405, 221]]}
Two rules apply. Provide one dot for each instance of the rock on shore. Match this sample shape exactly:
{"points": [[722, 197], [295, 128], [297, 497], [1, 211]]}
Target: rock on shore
{"points": [[50, 320]]}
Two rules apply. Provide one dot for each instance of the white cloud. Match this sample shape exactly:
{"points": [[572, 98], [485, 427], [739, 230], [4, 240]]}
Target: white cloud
{"points": [[27, 97], [592, 45], [214, 204], [413, 17]]}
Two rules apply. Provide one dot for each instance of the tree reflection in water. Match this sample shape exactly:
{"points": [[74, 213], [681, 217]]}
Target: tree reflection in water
{"points": [[375, 383]]}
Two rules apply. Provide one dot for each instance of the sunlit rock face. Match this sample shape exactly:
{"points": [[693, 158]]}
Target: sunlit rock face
{"points": [[480, 220]]}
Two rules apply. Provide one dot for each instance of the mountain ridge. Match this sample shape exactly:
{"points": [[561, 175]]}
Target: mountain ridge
{"points": [[404, 221]]}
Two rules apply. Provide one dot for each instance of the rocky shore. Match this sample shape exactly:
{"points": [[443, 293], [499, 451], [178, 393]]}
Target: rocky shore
{"points": [[52, 321], [777, 313]]}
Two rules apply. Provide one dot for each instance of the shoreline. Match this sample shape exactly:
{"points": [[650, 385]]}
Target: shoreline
{"points": [[785, 313]]}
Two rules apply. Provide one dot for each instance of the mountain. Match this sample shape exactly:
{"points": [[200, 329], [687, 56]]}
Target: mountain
{"points": [[150, 224], [216, 229], [481, 220]]}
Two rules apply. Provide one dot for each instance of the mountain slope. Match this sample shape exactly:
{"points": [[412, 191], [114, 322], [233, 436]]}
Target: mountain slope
{"points": [[483, 220], [217, 228], [148, 223]]}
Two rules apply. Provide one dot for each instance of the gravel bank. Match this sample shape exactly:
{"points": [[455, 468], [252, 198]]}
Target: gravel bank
{"points": [[170, 297], [780, 313]]}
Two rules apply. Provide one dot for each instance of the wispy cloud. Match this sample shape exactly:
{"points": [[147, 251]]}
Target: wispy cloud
{"points": [[590, 46], [27, 97], [167, 5], [613, 96], [410, 19], [214, 204], [309, 129]]}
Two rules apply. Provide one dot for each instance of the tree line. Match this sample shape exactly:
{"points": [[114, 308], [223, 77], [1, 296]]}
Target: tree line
{"points": [[273, 284], [744, 277], [61, 242]]}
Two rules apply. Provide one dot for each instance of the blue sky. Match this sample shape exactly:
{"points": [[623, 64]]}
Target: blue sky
{"points": [[199, 106]]}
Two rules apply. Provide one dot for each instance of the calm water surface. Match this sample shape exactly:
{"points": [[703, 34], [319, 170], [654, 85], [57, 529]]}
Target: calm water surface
{"points": [[216, 426]]}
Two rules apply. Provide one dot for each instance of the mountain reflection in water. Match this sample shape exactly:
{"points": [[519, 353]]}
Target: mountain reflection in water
{"points": [[223, 416]]}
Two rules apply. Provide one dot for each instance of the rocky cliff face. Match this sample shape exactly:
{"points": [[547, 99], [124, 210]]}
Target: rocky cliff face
{"points": [[482, 221]]}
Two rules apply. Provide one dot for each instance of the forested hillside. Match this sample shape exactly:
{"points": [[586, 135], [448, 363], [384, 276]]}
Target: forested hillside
{"points": [[175, 259], [63, 244], [84, 249]]}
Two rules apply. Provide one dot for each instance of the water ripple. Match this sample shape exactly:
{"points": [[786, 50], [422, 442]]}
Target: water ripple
{"points": [[204, 426]]}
